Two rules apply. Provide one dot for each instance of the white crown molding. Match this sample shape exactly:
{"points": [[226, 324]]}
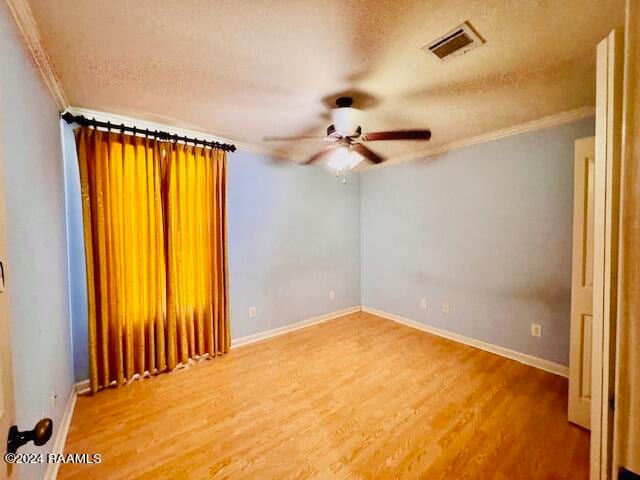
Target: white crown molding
{"points": [[26, 23], [538, 124], [541, 363], [117, 119], [544, 122]]}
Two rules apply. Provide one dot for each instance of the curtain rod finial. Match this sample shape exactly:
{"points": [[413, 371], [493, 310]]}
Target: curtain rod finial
{"points": [[68, 117]]}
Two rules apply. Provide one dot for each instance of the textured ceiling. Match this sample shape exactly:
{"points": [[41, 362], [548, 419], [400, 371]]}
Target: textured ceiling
{"points": [[242, 69]]}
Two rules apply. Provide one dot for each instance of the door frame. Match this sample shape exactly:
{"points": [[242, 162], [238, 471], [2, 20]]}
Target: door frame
{"points": [[609, 76], [7, 401]]}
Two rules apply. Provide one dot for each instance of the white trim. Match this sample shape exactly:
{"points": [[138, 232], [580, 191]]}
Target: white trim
{"points": [[544, 122], [541, 363], [150, 125], [292, 326], [82, 387], [26, 23], [538, 124], [61, 436], [609, 89]]}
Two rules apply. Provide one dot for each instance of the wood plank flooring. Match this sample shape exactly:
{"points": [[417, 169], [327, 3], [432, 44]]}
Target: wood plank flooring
{"points": [[356, 397]]}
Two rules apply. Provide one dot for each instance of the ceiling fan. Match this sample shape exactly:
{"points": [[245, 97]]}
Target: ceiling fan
{"points": [[347, 147]]}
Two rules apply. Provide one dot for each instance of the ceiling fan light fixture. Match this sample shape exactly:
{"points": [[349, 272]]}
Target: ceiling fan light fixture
{"points": [[345, 120], [344, 158]]}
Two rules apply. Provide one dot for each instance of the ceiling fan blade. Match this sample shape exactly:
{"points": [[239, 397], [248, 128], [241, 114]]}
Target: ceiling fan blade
{"points": [[317, 156], [370, 155], [287, 139], [397, 135]]}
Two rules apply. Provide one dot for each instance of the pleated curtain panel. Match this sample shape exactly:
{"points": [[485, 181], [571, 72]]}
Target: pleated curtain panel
{"points": [[155, 243]]}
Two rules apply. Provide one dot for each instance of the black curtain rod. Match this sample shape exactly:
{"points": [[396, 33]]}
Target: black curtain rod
{"points": [[82, 120]]}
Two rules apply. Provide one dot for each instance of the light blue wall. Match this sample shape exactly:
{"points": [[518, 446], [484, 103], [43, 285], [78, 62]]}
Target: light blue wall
{"points": [[486, 229], [36, 270], [77, 266], [294, 234]]}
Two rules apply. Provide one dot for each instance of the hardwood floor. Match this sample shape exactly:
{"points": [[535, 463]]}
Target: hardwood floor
{"points": [[356, 397]]}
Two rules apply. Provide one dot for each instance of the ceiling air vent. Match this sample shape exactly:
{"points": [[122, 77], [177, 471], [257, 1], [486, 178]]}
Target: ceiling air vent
{"points": [[456, 42]]}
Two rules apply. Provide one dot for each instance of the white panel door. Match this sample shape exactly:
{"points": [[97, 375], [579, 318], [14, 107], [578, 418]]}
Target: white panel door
{"points": [[582, 284]]}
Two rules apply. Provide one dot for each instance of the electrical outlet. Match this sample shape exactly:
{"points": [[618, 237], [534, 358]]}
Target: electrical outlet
{"points": [[445, 307], [536, 330], [332, 294], [423, 303], [252, 312]]}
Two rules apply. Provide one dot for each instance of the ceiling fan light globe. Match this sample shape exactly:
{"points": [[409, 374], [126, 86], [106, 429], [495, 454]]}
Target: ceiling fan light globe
{"points": [[344, 158]]}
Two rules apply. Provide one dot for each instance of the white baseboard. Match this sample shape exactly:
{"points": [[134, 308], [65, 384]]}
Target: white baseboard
{"points": [[546, 365], [61, 435], [83, 387], [292, 326], [541, 363]]}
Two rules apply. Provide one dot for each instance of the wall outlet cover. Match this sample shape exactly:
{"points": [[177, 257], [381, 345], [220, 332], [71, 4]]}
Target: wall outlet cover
{"points": [[536, 330]]}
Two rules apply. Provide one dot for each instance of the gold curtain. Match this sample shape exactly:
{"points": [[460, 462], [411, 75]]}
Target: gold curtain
{"points": [[155, 244], [627, 411]]}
